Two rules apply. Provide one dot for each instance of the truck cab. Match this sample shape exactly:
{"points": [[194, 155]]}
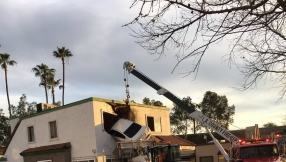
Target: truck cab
{"points": [[256, 150]]}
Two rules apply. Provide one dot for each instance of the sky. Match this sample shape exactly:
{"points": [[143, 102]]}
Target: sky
{"points": [[92, 30]]}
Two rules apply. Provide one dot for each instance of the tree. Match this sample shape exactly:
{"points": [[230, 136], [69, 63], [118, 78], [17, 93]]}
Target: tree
{"points": [[5, 130], [4, 62], [51, 84], [24, 107], [180, 120], [147, 101], [216, 108], [62, 53], [44, 73], [156, 103], [269, 124], [254, 30]]}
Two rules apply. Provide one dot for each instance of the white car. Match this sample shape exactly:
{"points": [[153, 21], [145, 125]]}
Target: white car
{"points": [[125, 130]]}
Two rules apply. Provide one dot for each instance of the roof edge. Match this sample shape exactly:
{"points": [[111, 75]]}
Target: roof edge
{"points": [[46, 149], [84, 101], [43, 152], [56, 108]]}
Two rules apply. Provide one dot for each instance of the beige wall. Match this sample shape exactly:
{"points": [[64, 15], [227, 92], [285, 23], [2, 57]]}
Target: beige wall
{"points": [[13, 123], [142, 111], [105, 143], [73, 125], [209, 150]]}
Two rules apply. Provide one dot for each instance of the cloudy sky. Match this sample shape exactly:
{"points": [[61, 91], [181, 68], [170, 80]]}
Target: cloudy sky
{"points": [[31, 30]]}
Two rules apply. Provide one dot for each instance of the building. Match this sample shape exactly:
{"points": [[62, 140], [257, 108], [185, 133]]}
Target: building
{"points": [[77, 131]]}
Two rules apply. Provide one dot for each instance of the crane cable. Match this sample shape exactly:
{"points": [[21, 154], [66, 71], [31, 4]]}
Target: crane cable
{"points": [[126, 87]]}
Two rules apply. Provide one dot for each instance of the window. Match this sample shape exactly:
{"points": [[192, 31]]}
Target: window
{"points": [[31, 136], [53, 129], [132, 130], [258, 151], [109, 160], [154, 123], [206, 159]]}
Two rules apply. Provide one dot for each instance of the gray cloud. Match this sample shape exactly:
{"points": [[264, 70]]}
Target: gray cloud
{"points": [[31, 30]]}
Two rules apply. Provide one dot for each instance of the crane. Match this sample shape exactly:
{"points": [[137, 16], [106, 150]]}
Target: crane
{"points": [[193, 113]]}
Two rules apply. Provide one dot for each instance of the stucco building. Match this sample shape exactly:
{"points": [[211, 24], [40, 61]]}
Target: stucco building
{"points": [[77, 132]]}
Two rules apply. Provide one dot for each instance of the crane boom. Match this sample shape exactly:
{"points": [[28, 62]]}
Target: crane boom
{"points": [[197, 115]]}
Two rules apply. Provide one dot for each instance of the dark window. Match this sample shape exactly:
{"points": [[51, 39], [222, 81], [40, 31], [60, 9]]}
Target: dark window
{"points": [[53, 129], [31, 136], [132, 130], [154, 123], [258, 151], [206, 159], [150, 122], [116, 134]]}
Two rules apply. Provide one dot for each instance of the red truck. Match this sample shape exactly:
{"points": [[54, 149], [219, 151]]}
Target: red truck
{"points": [[256, 150]]}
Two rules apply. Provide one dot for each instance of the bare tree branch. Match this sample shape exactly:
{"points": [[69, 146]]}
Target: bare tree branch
{"points": [[256, 28]]}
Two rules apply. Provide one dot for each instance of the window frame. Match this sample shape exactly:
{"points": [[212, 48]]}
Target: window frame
{"points": [[56, 129], [155, 125], [110, 159], [29, 135]]}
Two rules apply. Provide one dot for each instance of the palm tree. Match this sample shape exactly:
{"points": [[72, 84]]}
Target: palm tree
{"points": [[4, 62], [62, 53], [52, 83], [44, 73]]}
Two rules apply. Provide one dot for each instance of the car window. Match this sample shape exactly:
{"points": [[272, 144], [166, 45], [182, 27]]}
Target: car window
{"points": [[132, 130], [116, 134]]}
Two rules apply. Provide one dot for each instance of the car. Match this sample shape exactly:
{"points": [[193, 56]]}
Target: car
{"points": [[126, 130]]}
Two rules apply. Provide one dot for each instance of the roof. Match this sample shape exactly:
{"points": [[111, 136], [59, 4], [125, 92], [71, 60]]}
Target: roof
{"points": [[199, 139], [108, 101], [257, 144], [61, 146], [171, 139]]}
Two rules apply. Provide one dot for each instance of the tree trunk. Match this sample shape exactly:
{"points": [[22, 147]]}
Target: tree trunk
{"points": [[53, 94], [186, 130], [9, 107], [46, 92], [194, 123], [63, 95]]}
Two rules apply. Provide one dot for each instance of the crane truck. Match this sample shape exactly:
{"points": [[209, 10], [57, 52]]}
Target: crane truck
{"points": [[262, 150]]}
